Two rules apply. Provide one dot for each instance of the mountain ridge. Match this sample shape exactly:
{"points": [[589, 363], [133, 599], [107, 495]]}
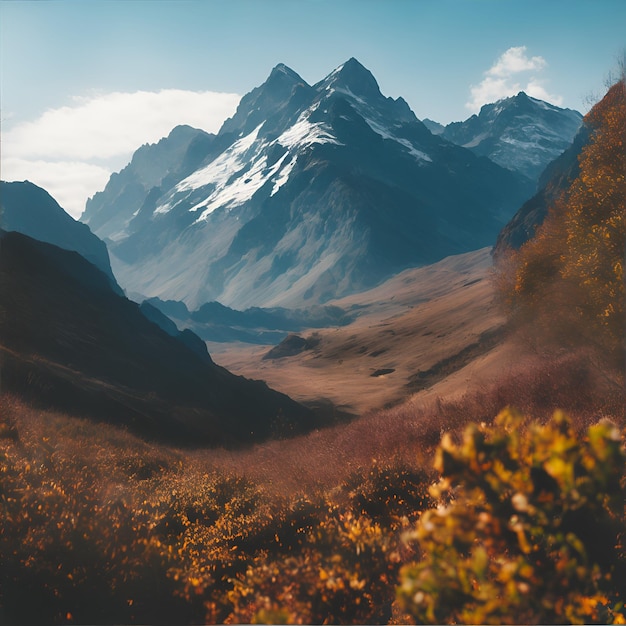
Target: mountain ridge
{"points": [[519, 132], [29, 209], [314, 192], [69, 342], [152, 166]]}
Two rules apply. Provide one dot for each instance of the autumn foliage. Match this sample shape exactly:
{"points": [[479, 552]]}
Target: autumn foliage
{"points": [[99, 527], [569, 278], [530, 528], [526, 525]]}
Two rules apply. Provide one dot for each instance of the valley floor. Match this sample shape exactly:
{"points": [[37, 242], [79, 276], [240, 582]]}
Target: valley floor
{"points": [[429, 331], [428, 353]]}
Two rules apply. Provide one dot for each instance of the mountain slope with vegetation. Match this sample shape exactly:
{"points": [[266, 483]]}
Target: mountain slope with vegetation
{"points": [[569, 278]]}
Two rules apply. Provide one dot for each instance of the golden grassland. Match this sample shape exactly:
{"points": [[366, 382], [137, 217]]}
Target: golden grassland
{"points": [[100, 526]]}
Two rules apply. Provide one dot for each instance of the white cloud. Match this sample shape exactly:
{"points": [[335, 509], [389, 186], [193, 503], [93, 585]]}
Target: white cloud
{"points": [[501, 80], [536, 89], [514, 60], [491, 90], [69, 150]]}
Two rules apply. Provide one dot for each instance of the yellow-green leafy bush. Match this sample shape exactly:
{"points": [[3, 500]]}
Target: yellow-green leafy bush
{"points": [[529, 529], [338, 562]]}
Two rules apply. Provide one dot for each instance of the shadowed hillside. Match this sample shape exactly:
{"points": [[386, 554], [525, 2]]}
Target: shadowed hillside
{"points": [[68, 341]]}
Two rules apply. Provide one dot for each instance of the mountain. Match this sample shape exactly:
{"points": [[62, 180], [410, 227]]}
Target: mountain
{"points": [[308, 192], [520, 133], [153, 166], [434, 127], [69, 342], [32, 211], [186, 336], [554, 181]]}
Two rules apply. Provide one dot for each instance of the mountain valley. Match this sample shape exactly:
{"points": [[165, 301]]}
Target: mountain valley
{"points": [[324, 366], [407, 334], [324, 241]]}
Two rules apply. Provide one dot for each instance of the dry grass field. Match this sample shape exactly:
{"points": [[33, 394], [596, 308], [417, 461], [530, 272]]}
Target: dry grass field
{"points": [[409, 334]]}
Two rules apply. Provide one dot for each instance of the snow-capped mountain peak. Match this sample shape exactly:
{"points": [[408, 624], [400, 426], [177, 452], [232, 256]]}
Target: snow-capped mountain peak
{"points": [[247, 165], [521, 133], [352, 78], [307, 193]]}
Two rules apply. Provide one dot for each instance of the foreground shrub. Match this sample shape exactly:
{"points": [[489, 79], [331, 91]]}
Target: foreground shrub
{"points": [[529, 529], [390, 492], [332, 559], [344, 573], [74, 548]]}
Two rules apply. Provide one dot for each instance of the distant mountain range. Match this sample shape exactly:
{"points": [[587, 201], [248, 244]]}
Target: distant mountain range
{"points": [[554, 181], [218, 323], [307, 193], [520, 133]]}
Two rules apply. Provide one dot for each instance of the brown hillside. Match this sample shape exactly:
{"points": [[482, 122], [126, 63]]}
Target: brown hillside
{"points": [[414, 331]]}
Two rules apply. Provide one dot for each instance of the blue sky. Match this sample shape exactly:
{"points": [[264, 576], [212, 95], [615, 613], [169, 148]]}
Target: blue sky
{"points": [[94, 79]]}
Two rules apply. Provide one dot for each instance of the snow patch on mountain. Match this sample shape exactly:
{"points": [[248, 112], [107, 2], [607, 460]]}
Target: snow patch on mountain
{"points": [[346, 91], [229, 192], [284, 173], [521, 133], [305, 133], [240, 171], [377, 122], [386, 134], [217, 174]]}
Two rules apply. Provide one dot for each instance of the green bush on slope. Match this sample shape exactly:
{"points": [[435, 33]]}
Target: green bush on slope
{"points": [[530, 529]]}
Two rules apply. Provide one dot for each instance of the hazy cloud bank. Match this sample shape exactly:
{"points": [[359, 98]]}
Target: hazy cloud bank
{"points": [[71, 151], [504, 79]]}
